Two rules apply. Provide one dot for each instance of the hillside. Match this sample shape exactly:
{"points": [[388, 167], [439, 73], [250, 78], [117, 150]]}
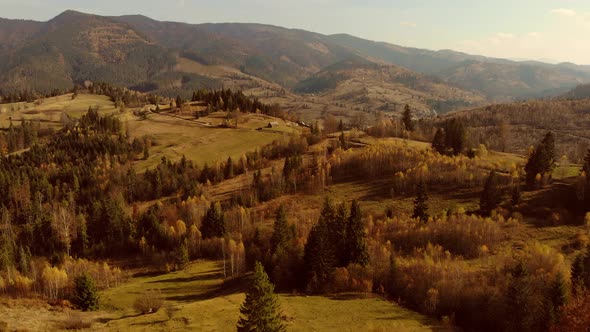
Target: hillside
{"points": [[388, 88]]}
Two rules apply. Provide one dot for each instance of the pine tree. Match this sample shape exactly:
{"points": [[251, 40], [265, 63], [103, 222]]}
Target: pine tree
{"points": [[518, 296], [213, 224], [281, 235], [85, 293], [455, 136], [356, 239], [490, 197], [580, 275], [516, 196], [338, 229], [542, 160], [319, 252], [421, 203], [438, 143], [261, 308], [228, 172], [407, 118], [558, 297]]}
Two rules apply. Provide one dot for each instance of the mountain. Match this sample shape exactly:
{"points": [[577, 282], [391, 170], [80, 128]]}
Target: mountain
{"points": [[73, 47], [365, 84], [176, 58]]}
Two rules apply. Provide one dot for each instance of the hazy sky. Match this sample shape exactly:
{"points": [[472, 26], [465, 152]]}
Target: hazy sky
{"points": [[519, 29]]}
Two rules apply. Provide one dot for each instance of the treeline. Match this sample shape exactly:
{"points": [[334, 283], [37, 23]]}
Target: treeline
{"points": [[27, 95], [228, 101], [21, 137]]}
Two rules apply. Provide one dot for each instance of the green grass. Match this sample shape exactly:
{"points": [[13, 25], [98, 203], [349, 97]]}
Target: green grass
{"points": [[49, 110], [199, 300], [174, 137]]}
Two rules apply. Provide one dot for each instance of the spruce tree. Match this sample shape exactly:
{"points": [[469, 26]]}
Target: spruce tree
{"points": [[558, 296], [338, 229], [356, 239], [213, 224], [261, 308], [421, 202], [516, 196], [281, 235], [319, 252], [407, 118], [542, 160], [490, 197], [438, 143], [85, 293]]}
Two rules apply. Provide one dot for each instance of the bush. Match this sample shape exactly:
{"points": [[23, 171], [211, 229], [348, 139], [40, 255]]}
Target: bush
{"points": [[86, 294], [149, 302], [75, 322]]}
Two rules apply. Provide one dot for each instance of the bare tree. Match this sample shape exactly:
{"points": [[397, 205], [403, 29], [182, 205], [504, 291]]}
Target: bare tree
{"points": [[64, 224]]}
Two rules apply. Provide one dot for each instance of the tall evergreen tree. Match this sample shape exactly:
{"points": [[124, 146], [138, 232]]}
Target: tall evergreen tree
{"points": [[319, 252], [338, 229], [407, 118], [438, 143], [85, 293], [261, 308], [282, 234], [518, 295], [558, 297], [455, 136], [213, 224], [542, 160], [490, 197], [421, 202], [356, 238]]}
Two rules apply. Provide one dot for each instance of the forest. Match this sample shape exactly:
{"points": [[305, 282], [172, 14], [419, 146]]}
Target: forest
{"points": [[76, 215]]}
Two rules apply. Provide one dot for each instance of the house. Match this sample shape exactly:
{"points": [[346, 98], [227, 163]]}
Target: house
{"points": [[273, 124]]}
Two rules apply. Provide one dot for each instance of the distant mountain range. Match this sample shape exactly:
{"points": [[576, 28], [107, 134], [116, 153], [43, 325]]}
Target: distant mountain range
{"points": [[169, 57]]}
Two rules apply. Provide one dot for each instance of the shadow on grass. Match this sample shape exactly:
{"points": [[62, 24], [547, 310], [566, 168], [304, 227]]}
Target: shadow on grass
{"points": [[148, 274], [208, 276], [105, 320], [228, 287]]}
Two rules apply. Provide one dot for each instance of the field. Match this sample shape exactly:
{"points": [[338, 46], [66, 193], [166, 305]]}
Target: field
{"points": [[49, 111], [197, 299]]}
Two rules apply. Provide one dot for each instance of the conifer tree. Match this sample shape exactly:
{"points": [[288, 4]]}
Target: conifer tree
{"points": [[261, 308], [516, 196], [421, 203], [438, 143], [281, 235], [407, 118], [338, 229], [85, 293], [356, 238], [213, 224], [319, 252], [517, 300], [558, 297], [542, 160], [490, 197]]}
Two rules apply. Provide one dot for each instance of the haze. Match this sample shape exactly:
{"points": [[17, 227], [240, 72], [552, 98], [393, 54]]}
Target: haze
{"points": [[548, 30]]}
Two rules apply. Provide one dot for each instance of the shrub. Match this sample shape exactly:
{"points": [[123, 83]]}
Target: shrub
{"points": [[149, 302], [76, 322], [86, 294]]}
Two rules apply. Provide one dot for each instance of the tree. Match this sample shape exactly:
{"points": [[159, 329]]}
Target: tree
{"points": [[319, 256], [261, 308], [64, 224], [213, 224], [541, 161], [455, 136], [356, 238], [516, 196], [85, 293], [421, 202], [179, 102], [228, 172], [557, 299], [490, 197], [518, 296], [438, 143], [281, 235], [407, 118]]}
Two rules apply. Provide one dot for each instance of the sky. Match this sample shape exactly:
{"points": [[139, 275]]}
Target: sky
{"points": [[547, 30]]}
